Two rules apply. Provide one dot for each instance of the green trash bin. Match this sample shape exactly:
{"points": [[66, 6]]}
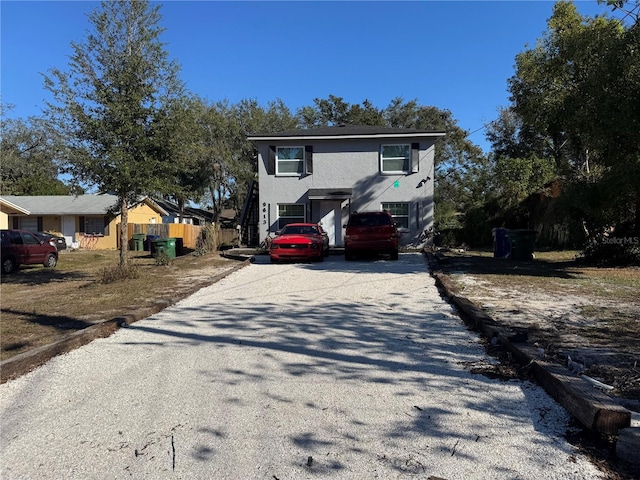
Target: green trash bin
{"points": [[522, 244], [138, 242], [167, 245]]}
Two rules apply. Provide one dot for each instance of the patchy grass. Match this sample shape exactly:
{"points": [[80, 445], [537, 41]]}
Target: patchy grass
{"points": [[556, 272], [566, 306], [42, 305]]}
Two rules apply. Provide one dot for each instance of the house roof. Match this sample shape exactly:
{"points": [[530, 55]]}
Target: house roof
{"points": [[9, 207], [174, 209], [347, 132], [70, 205], [203, 214]]}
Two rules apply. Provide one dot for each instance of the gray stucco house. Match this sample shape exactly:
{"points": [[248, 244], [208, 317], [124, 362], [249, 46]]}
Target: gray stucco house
{"points": [[323, 174]]}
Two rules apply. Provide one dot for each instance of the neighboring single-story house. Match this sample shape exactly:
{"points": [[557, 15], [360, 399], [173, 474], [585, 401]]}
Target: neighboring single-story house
{"points": [[323, 174], [83, 220], [7, 208]]}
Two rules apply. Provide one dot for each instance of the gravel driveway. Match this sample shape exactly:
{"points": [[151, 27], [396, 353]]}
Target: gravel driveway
{"points": [[345, 370]]}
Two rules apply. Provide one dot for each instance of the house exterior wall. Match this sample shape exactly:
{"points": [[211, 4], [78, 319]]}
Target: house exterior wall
{"points": [[348, 164], [143, 213], [6, 209], [108, 240]]}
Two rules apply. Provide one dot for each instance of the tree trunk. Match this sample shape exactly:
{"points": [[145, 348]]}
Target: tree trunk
{"points": [[124, 230], [637, 222], [214, 200], [181, 208]]}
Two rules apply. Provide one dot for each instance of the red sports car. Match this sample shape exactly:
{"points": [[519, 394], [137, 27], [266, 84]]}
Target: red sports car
{"points": [[299, 241]]}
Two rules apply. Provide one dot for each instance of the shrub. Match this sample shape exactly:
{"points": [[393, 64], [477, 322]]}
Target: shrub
{"points": [[207, 240], [116, 273], [163, 258], [612, 254]]}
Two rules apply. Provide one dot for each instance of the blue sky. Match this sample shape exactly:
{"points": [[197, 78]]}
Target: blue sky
{"points": [[454, 55]]}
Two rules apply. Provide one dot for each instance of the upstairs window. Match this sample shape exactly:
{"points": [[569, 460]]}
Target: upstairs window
{"points": [[290, 161], [395, 158]]}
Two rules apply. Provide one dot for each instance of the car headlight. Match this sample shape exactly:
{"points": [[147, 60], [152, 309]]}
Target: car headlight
{"points": [[274, 246], [314, 246]]}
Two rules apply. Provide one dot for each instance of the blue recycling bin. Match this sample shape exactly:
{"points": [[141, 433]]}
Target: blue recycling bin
{"points": [[150, 246], [501, 243]]}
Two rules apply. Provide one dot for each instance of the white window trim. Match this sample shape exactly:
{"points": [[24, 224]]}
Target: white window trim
{"points": [[303, 160], [408, 159], [304, 210], [94, 221], [408, 215]]}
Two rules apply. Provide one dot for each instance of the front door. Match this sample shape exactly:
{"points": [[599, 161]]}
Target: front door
{"points": [[329, 215], [69, 229]]}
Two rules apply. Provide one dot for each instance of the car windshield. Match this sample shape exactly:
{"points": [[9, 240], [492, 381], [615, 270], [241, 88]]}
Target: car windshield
{"points": [[370, 220], [299, 230]]}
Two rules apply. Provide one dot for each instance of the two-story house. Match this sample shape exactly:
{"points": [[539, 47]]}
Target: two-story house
{"points": [[323, 174]]}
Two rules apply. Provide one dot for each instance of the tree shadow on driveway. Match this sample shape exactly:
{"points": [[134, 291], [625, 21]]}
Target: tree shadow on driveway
{"points": [[382, 363]]}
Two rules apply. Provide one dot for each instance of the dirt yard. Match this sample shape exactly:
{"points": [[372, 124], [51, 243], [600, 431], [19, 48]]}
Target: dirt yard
{"points": [[40, 306], [590, 315]]}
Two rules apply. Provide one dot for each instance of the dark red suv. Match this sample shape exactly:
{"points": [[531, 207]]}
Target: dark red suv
{"points": [[21, 247], [371, 232]]}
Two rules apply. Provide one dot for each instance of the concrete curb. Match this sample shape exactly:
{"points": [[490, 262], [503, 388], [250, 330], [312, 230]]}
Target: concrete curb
{"points": [[241, 256], [589, 406], [25, 362]]}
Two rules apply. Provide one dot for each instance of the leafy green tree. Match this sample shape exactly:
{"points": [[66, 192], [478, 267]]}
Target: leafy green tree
{"points": [[28, 151], [226, 160], [629, 9], [510, 137], [579, 91], [223, 146], [520, 163], [254, 118], [335, 111], [108, 105], [182, 143], [517, 178]]}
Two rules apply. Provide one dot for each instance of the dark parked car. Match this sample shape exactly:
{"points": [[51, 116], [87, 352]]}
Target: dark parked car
{"points": [[299, 241], [20, 247], [59, 242], [371, 232]]}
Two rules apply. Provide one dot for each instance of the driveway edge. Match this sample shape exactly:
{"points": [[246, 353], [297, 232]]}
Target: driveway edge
{"points": [[589, 406], [25, 362]]}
